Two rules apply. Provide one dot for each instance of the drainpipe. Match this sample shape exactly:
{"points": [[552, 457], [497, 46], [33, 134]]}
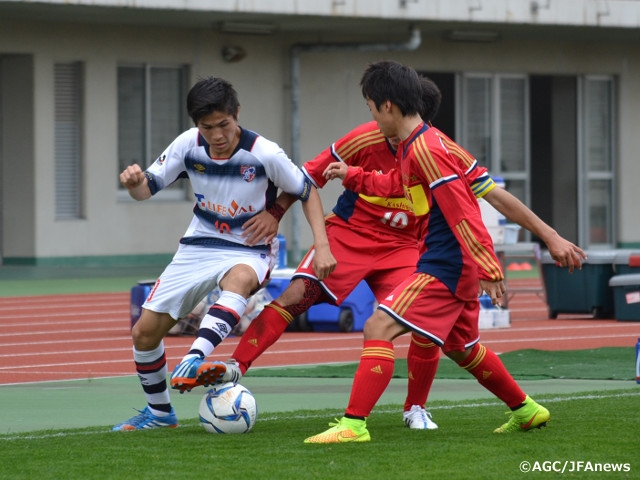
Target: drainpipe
{"points": [[412, 44]]}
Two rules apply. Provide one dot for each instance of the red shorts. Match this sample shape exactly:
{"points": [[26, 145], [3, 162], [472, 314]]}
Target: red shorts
{"points": [[383, 261], [423, 304]]}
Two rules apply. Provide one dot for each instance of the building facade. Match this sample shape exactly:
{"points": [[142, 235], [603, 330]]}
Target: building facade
{"points": [[546, 94]]}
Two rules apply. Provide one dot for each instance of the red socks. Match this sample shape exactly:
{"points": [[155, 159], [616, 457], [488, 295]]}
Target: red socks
{"points": [[422, 362], [491, 373], [372, 377], [263, 331]]}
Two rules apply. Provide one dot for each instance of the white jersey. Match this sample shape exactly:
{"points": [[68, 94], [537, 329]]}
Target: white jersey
{"points": [[228, 191]]}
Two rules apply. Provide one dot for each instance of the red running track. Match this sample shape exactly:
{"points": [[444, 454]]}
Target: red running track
{"points": [[59, 337]]}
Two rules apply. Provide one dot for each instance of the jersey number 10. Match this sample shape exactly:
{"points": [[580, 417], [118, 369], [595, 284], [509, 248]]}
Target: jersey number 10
{"points": [[395, 220]]}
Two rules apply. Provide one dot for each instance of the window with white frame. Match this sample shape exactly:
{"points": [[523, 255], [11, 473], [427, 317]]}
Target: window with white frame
{"points": [[68, 121], [597, 161], [151, 114], [494, 126]]}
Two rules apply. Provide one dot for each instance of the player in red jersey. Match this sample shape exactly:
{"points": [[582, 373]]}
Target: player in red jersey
{"points": [[378, 226], [439, 300]]}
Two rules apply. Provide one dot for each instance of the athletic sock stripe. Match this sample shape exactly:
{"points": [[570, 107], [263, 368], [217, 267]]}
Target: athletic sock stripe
{"points": [[385, 353], [211, 336], [423, 344], [151, 367], [283, 313], [482, 352], [155, 388], [225, 314], [162, 407]]}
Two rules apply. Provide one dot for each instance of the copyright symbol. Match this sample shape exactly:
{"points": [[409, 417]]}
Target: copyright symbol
{"points": [[525, 467]]}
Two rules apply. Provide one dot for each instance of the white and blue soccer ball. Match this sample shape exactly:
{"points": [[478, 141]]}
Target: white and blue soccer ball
{"points": [[228, 408]]}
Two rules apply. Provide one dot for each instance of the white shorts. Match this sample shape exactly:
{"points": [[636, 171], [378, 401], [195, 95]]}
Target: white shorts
{"points": [[194, 271]]}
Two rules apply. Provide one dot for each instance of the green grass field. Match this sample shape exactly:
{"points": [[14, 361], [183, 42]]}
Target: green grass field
{"points": [[598, 428], [596, 425]]}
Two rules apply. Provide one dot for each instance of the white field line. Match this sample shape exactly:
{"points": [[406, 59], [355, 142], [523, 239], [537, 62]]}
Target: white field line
{"points": [[221, 348], [37, 309], [113, 324], [129, 361], [64, 299], [44, 317], [597, 325], [622, 327], [266, 417], [60, 332]]}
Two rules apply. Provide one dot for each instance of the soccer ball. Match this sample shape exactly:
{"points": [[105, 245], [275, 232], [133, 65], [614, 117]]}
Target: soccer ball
{"points": [[228, 408]]}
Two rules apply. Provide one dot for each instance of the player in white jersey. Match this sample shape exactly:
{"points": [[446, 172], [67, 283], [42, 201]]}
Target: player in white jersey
{"points": [[235, 175]]}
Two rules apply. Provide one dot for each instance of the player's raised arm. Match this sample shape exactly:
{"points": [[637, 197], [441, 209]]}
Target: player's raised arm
{"points": [[370, 183], [135, 181], [562, 251]]}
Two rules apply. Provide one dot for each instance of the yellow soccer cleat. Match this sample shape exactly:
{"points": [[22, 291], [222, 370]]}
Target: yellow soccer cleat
{"points": [[344, 430], [531, 415]]}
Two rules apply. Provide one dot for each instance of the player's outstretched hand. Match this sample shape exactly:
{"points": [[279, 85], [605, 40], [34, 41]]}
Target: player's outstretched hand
{"points": [[336, 170], [495, 290], [261, 228], [323, 262], [565, 253]]}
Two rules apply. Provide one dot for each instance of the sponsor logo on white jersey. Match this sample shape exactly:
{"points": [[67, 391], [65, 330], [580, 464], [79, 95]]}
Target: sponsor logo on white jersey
{"points": [[231, 210], [248, 173]]}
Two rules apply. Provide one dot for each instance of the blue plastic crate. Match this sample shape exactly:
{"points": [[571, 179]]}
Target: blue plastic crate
{"points": [[351, 315], [139, 294], [324, 317]]}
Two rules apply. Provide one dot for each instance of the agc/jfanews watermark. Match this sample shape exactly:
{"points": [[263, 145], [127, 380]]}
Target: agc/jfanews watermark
{"points": [[572, 466]]}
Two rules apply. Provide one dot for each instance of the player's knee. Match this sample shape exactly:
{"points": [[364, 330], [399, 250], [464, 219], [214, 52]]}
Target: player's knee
{"points": [[144, 339], [300, 296], [148, 332], [241, 279], [381, 326], [293, 294], [458, 355]]}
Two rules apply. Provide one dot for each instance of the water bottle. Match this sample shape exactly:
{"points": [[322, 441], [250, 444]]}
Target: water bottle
{"points": [[638, 361], [500, 183], [282, 251], [485, 302]]}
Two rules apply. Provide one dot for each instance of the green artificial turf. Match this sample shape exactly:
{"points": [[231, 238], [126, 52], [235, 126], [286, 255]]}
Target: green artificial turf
{"points": [[609, 363], [599, 429]]}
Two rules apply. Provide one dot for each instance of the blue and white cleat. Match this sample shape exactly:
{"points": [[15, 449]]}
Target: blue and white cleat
{"points": [[195, 372], [146, 420]]}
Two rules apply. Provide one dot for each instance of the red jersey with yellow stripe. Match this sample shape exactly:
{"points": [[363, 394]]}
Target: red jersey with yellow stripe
{"points": [[365, 147], [456, 248]]}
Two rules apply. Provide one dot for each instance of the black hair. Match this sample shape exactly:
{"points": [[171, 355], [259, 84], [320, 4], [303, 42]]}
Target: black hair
{"points": [[209, 95], [389, 80], [431, 99]]}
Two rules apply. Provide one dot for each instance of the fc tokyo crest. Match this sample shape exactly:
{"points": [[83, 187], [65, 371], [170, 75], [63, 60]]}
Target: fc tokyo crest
{"points": [[248, 173]]}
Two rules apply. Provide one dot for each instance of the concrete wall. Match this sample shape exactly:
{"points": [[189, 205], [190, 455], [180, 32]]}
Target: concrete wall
{"points": [[19, 197], [330, 105]]}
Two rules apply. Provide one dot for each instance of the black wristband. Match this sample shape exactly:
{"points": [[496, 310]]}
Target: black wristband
{"points": [[276, 211]]}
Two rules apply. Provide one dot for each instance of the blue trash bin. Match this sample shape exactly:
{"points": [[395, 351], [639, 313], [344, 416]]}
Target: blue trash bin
{"points": [[626, 296], [583, 291], [139, 294]]}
